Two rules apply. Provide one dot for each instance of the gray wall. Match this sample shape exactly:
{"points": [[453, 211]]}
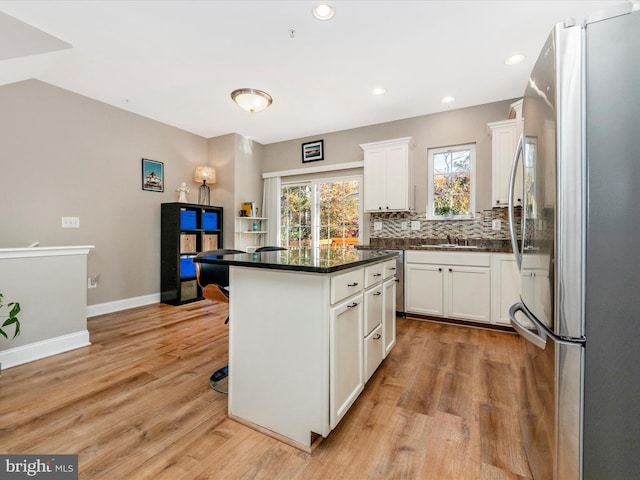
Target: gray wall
{"points": [[452, 127], [62, 154]]}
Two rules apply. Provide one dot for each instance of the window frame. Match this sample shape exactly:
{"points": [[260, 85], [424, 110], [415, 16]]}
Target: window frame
{"points": [[430, 177]]}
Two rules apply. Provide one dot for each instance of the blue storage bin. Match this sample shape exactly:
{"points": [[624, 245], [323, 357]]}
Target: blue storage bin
{"points": [[188, 220], [187, 267], [209, 221]]}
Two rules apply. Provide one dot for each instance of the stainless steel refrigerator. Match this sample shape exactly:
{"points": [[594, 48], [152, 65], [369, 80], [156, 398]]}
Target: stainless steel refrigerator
{"points": [[577, 244]]}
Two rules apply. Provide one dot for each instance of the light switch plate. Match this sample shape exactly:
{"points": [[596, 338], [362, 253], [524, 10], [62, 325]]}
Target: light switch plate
{"points": [[404, 226], [70, 222], [377, 225], [496, 224], [415, 225]]}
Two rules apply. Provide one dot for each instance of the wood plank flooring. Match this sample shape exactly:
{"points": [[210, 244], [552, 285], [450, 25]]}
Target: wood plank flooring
{"points": [[136, 404]]}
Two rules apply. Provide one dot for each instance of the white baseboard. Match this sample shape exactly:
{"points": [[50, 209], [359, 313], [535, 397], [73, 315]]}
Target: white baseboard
{"points": [[118, 305], [45, 348]]}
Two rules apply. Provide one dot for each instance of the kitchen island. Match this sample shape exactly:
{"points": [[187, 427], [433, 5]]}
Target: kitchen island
{"points": [[307, 328]]}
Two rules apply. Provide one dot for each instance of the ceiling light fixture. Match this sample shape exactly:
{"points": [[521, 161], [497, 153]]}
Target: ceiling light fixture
{"points": [[513, 59], [251, 100], [378, 91], [448, 99], [323, 11]]}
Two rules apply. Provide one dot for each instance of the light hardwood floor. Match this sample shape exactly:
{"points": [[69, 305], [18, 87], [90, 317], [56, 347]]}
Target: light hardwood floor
{"points": [[136, 404]]}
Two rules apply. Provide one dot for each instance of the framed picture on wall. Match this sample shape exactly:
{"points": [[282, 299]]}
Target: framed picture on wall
{"points": [[313, 151], [152, 175]]}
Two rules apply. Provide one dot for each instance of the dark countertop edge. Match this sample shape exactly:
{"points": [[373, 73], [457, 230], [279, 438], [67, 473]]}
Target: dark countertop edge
{"points": [[295, 268], [436, 248]]}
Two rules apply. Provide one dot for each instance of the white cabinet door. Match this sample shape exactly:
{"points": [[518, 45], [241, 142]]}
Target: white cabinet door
{"points": [[346, 357], [424, 289], [504, 139], [469, 293], [389, 315], [374, 172], [387, 175], [505, 290], [396, 182]]}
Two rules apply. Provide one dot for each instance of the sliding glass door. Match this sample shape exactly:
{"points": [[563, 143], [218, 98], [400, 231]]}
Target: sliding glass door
{"points": [[321, 213]]}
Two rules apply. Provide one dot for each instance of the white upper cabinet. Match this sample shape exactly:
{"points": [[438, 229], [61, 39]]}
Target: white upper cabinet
{"points": [[387, 175], [504, 140]]}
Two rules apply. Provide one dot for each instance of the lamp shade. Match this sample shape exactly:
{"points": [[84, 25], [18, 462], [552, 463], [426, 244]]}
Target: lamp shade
{"points": [[251, 100], [205, 174]]}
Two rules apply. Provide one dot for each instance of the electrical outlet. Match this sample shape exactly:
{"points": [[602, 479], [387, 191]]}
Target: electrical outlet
{"points": [[92, 282], [377, 226], [404, 226], [70, 222], [496, 224], [415, 225]]}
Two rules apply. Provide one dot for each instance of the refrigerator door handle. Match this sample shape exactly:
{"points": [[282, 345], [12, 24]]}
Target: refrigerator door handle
{"points": [[539, 339], [512, 182]]}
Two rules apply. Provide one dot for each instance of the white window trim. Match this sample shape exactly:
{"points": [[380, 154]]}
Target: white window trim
{"points": [[430, 191], [315, 214]]}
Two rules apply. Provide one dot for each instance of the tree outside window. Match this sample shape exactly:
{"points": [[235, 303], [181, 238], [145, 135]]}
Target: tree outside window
{"points": [[451, 184], [320, 214]]}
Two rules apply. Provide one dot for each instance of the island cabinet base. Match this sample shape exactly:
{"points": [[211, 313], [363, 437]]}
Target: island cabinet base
{"points": [[297, 346], [279, 351]]}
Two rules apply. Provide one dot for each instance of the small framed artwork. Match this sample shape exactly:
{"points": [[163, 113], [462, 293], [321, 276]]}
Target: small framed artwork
{"points": [[152, 175], [313, 151]]}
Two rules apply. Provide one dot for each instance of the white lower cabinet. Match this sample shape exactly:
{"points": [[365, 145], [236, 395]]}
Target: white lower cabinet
{"points": [[506, 287], [424, 289], [449, 285], [346, 357]]}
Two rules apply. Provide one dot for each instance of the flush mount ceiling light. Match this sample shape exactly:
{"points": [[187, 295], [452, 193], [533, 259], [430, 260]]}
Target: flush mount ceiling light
{"points": [[513, 59], [378, 91], [251, 100], [448, 99], [323, 11]]}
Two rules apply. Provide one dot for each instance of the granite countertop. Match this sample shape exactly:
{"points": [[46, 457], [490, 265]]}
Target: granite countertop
{"points": [[318, 260], [474, 245]]}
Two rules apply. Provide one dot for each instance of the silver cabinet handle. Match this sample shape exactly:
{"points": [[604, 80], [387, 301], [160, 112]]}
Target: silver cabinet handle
{"points": [[354, 284], [377, 336], [351, 305]]}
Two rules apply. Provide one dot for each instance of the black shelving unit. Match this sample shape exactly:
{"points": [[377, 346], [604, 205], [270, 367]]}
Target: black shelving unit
{"points": [[186, 230]]}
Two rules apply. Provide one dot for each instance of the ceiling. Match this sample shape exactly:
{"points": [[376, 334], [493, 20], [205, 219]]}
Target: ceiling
{"points": [[178, 61]]}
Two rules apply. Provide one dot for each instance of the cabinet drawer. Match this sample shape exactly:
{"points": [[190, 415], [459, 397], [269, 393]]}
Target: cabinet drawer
{"points": [[346, 284], [373, 274], [471, 259], [373, 352], [373, 308], [389, 268]]}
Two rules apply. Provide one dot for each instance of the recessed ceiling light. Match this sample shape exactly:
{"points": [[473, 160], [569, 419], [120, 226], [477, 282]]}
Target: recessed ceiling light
{"points": [[513, 59], [448, 99], [324, 11], [378, 91]]}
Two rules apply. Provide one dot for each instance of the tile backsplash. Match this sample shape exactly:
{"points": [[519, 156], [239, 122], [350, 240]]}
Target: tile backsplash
{"points": [[477, 228]]}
